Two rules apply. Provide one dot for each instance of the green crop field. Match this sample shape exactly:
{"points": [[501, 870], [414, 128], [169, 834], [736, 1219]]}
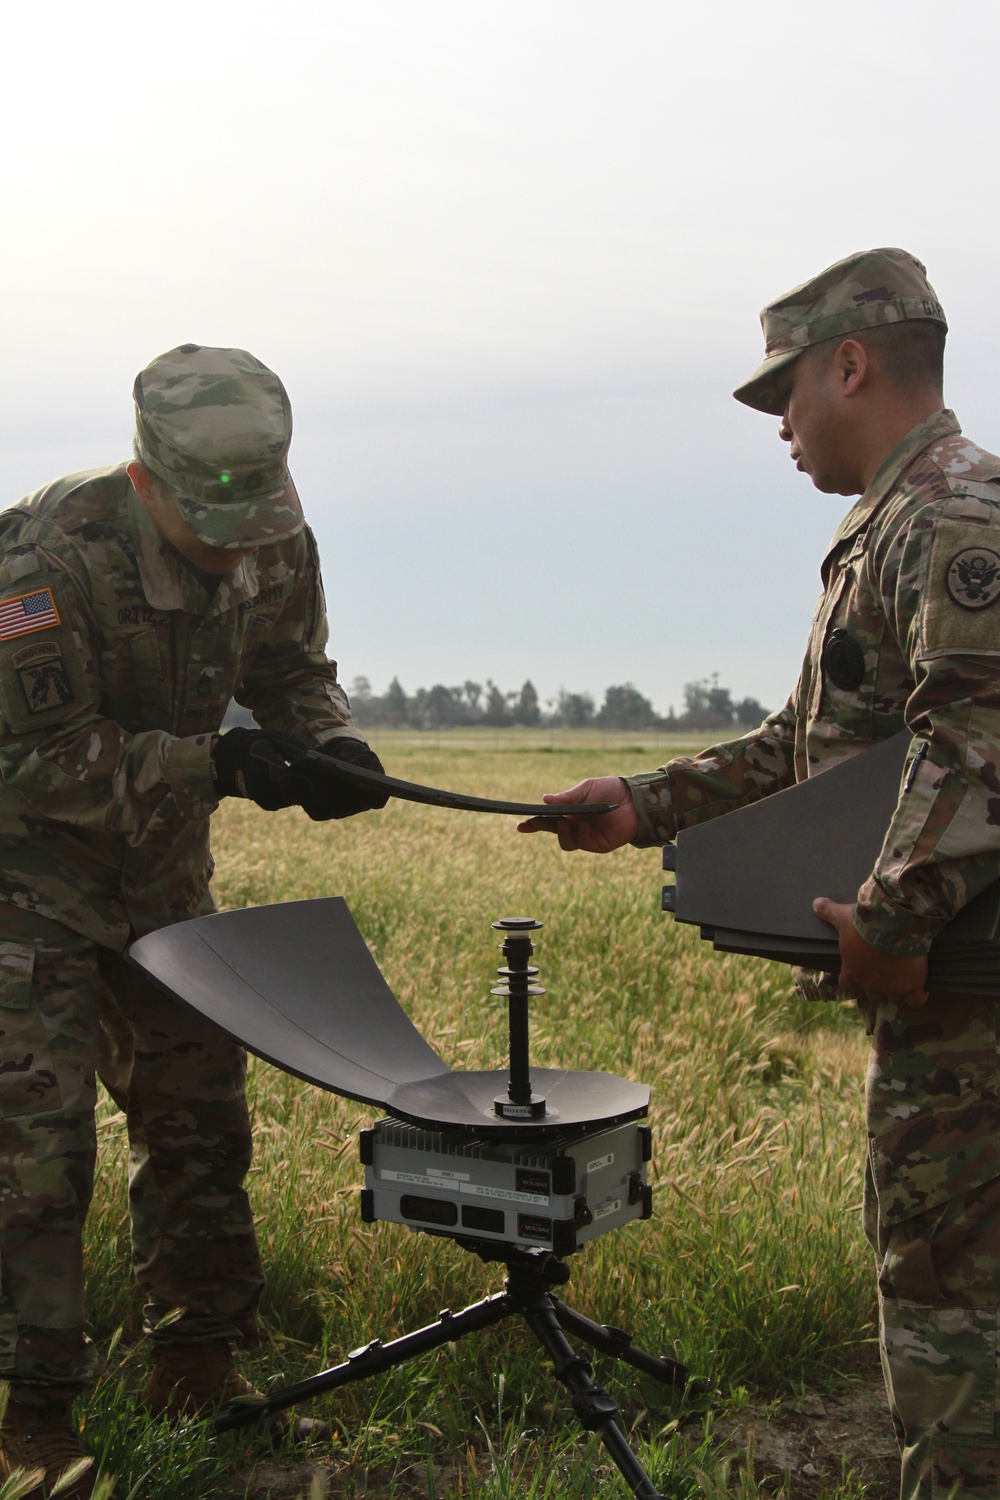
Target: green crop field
{"points": [[752, 1271]]}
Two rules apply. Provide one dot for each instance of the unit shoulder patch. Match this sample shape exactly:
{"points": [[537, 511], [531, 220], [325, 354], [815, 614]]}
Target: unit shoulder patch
{"points": [[973, 577], [961, 586], [44, 678]]}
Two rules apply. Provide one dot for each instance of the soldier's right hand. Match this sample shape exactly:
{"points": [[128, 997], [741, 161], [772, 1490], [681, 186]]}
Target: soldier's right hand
{"points": [[252, 763], [599, 834]]}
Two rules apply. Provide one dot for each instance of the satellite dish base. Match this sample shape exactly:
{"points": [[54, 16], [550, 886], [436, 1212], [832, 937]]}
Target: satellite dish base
{"points": [[531, 1274]]}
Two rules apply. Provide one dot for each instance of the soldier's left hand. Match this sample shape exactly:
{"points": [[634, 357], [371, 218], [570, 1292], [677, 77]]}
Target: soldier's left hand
{"points": [[865, 969], [325, 797]]}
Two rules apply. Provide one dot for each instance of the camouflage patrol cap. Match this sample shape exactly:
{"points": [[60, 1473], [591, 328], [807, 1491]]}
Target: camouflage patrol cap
{"points": [[215, 425], [867, 290]]}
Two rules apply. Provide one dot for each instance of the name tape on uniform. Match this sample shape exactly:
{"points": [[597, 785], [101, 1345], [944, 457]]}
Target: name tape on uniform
{"points": [[28, 612]]}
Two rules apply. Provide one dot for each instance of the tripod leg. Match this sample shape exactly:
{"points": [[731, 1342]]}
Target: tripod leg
{"points": [[373, 1359], [594, 1407], [615, 1341]]}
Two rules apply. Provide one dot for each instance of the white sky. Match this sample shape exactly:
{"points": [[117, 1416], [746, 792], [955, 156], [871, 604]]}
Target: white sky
{"points": [[508, 259]]}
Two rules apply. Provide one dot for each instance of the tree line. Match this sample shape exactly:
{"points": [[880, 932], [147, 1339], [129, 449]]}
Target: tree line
{"points": [[708, 707]]}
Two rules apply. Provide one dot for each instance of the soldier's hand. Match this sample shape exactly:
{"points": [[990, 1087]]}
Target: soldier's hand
{"points": [[328, 797], [865, 969], [252, 763], [599, 834]]}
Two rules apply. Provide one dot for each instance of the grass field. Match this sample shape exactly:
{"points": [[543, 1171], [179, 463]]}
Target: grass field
{"points": [[752, 1271]]}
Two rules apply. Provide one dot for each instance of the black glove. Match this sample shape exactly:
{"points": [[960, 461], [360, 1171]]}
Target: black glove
{"points": [[252, 763], [330, 796]]}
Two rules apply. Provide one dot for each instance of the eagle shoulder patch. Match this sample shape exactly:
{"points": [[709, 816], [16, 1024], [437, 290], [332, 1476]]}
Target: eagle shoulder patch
{"points": [[973, 577], [961, 584]]}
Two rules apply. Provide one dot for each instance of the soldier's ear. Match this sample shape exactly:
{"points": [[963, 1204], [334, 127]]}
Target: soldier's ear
{"points": [[144, 483], [851, 365]]}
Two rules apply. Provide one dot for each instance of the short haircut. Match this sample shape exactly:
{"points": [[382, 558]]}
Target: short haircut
{"points": [[910, 354]]}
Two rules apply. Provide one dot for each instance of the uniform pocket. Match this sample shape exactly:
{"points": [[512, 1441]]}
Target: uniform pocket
{"points": [[152, 703], [28, 1083], [934, 1156]]}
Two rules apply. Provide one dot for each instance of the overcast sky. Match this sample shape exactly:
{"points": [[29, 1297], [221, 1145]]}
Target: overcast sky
{"points": [[508, 260]]}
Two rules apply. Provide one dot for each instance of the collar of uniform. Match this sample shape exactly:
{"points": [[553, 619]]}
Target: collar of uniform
{"points": [[168, 583], [941, 425]]}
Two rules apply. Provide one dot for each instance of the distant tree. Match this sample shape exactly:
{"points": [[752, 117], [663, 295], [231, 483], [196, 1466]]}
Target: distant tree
{"points": [[526, 710], [441, 707], [749, 713], [434, 707], [416, 706], [366, 708], [396, 705], [708, 706], [496, 713], [624, 707], [575, 710]]}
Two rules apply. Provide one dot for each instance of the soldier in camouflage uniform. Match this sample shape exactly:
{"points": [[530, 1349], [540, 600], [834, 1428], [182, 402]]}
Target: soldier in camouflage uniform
{"points": [[135, 602], [906, 634]]}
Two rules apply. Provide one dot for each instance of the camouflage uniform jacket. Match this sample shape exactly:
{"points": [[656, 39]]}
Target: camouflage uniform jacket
{"points": [[906, 634], [117, 662]]}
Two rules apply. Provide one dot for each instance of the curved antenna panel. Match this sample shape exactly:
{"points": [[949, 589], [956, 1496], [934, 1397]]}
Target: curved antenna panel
{"points": [[748, 879], [757, 869], [297, 984]]}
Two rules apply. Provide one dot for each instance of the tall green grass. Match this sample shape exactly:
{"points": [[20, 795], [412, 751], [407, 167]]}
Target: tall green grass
{"points": [[752, 1271]]}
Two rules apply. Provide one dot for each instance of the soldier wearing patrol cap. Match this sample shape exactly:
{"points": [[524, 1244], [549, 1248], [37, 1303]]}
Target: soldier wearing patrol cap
{"points": [[906, 634], [135, 602]]}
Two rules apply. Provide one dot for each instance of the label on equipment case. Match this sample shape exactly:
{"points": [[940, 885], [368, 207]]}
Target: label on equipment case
{"points": [[471, 1189], [416, 1179], [478, 1190]]}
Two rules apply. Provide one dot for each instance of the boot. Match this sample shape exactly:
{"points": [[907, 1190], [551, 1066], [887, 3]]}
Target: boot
{"points": [[41, 1437], [191, 1379]]}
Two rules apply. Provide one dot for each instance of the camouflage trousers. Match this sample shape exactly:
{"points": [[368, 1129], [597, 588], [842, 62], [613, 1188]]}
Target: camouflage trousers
{"points": [[71, 1011], [932, 1216]]}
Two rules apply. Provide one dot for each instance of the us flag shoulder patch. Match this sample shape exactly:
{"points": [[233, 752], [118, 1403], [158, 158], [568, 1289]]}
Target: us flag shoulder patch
{"points": [[28, 612]]}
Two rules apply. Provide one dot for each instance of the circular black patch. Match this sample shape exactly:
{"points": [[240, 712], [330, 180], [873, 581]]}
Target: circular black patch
{"points": [[843, 661], [973, 578]]}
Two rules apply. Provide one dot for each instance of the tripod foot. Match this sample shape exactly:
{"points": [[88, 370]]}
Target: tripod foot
{"points": [[617, 1344]]}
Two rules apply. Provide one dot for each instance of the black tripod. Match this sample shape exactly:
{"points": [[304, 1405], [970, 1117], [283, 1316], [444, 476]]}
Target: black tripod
{"points": [[530, 1275]]}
